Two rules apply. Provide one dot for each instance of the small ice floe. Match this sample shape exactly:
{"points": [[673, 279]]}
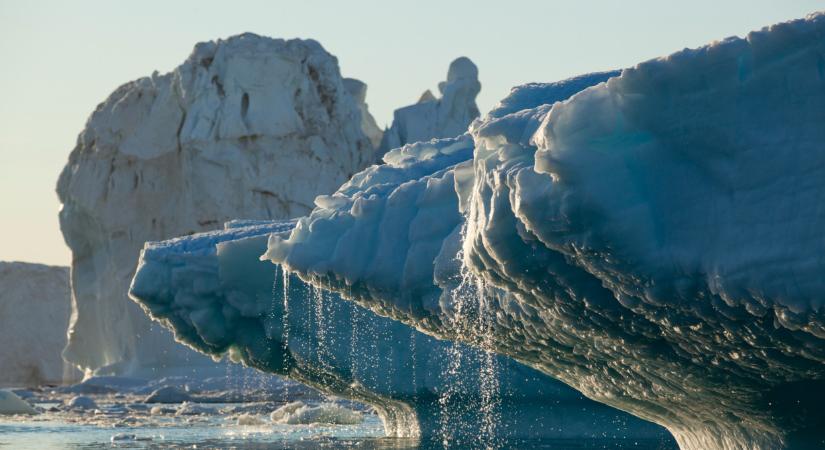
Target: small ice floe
{"points": [[25, 394], [249, 419], [248, 408], [118, 409], [193, 409], [81, 402], [168, 394], [102, 385], [137, 407], [326, 413], [10, 403], [128, 437], [162, 410]]}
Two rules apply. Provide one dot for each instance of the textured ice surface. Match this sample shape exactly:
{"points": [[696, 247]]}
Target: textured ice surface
{"points": [[246, 127], [218, 297], [34, 314], [654, 241], [443, 117]]}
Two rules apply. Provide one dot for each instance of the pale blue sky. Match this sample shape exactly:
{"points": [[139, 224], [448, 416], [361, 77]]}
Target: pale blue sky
{"points": [[61, 58]]}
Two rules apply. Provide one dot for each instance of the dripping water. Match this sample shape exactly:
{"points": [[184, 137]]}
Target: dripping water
{"points": [[472, 321], [321, 319], [414, 366], [284, 318]]}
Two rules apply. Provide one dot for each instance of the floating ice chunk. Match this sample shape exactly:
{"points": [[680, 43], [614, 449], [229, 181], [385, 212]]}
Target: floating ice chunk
{"points": [[129, 437], [12, 404], [193, 409], [168, 394], [326, 413], [249, 419], [81, 402]]}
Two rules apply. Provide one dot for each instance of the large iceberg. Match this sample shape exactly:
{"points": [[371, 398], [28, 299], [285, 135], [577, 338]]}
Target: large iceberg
{"points": [[246, 127], [216, 295], [34, 314], [654, 241], [443, 117]]}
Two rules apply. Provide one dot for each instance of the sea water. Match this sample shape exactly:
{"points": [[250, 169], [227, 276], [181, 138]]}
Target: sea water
{"points": [[105, 429]]}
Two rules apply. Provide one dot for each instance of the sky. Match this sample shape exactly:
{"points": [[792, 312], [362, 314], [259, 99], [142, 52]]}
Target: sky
{"points": [[59, 59]]}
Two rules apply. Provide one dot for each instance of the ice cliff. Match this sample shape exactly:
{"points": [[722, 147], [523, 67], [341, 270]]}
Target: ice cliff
{"points": [[432, 117], [34, 314], [654, 241], [246, 127]]}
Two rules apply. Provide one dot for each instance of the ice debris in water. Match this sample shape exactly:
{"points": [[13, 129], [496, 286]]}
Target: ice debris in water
{"points": [[325, 413], [10, 403]]}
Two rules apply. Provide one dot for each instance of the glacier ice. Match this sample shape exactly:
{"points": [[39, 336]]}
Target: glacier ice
{"points": [[34, 315], [433, 117], [218, 297], [246, 127], [653, 241]]}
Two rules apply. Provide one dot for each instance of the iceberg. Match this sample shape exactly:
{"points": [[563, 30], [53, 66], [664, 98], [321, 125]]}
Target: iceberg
{"points": [[220, 299], [11, 404], [34, 314], [358, 90], [246, 127], [432, 117], [653, 241]]}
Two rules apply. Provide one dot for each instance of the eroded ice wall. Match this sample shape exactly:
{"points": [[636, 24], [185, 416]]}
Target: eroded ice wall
{"points": [[247, 127], [654, 241]]}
